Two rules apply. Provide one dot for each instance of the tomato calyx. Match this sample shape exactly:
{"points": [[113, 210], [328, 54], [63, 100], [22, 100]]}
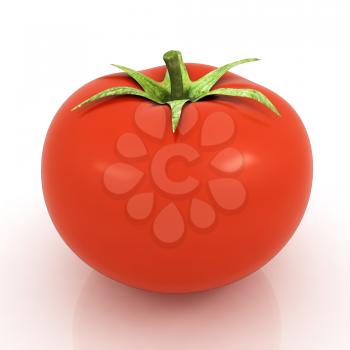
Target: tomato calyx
{"points": [[177, 88]]}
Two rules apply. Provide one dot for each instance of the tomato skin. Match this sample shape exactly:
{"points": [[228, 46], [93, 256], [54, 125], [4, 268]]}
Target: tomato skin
{"points": [[276, 176]]}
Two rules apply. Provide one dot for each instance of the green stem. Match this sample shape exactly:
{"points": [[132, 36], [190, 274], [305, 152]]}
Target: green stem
{"points": [[178, 75], [177, 88]]}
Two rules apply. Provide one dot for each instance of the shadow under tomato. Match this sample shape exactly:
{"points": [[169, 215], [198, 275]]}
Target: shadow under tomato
{"points": [[243, 315]]}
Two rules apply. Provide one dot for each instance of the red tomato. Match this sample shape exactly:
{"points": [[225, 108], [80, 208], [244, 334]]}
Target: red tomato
{"points": [[183, 211]]}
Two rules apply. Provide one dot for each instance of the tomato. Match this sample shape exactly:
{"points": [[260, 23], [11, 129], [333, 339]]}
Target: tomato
{"points": [[176, 211]]}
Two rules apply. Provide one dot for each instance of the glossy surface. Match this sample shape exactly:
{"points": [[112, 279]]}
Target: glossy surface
{"points": [[183, 212]]}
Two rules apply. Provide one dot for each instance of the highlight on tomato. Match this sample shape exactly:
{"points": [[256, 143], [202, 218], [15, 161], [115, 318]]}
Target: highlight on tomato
{"points": [[176, 179]]}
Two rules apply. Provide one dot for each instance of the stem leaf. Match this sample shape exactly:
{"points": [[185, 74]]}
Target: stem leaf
{"points": [[176, 108], [149, 85], [117, 91], [247, 93], [205, 83]]}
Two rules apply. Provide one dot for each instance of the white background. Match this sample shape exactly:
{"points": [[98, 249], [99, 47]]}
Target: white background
{"points": [[52, 300]]}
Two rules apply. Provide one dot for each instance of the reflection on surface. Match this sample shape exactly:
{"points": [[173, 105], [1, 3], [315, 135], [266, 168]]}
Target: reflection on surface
{"points": [[242, 316]]}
